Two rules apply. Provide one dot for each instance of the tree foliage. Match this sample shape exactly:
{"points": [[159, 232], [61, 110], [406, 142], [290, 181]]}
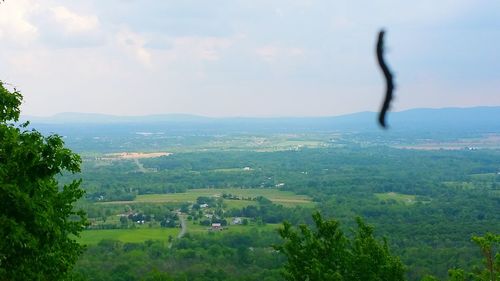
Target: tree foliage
{"points": [[37, 219], [491, 272], [326, 253], [488, 245]]}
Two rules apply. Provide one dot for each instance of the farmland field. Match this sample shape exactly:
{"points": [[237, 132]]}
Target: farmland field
{"points": [[402, 198], [285, 198], [421, 200], [196, 228], [138, 235]]}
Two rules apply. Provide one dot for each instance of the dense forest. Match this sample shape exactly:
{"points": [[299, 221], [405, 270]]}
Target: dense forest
{"points": [[428, 204]]}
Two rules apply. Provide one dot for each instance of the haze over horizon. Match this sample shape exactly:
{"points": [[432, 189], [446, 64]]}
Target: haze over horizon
{"points": [[235, 58], [188, 115]]}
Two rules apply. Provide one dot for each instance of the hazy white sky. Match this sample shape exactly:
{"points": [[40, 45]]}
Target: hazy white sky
{"points": [[247, 58]]}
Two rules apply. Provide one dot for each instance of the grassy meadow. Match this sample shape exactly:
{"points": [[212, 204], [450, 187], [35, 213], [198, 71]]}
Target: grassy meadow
{"points": [[401, 198], [137, 235], [194, 228], [285, 198]]}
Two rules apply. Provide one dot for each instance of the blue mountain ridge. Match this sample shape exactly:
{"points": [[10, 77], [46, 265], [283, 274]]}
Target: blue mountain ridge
{"points": [[474, 119]]}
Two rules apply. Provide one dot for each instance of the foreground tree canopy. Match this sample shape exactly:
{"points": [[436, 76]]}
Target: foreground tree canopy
{"points": [[326, 253], [37, 220]]}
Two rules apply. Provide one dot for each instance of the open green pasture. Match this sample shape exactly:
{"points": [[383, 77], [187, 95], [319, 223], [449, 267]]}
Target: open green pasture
{"points": [[460, 185], [270, 143], [91, 237], [139, 235], [286, 198], [402, 198], [238, 204], [230, 170], [484, 176], [201, 229]]}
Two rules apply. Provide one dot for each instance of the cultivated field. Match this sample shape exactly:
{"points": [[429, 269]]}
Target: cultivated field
{"points": [[137, 235], [402, 198], [285, 198], [196, 228], [487, 141], [134, 155]]}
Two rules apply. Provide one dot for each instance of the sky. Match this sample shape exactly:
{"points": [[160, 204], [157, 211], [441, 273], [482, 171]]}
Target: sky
{"points": [[261, 58]]}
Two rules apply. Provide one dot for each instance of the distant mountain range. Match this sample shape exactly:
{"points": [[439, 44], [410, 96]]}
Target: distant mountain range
{"points": [[480, 119], [96, 118]]}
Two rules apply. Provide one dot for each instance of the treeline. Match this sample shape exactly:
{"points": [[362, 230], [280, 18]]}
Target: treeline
{"points": [[268, 212], [316, 172], [456, 193], [323, 252], [163, 215], [231, 256]]}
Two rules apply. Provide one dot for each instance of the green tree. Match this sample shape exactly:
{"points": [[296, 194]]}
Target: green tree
{"points": [[429, 278], [38, 223], [456, 275], [325, 253], [488, 244], [156, 275]]}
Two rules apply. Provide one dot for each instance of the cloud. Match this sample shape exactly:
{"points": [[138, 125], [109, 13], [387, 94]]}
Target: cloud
{"points": [[32, 24], [157, 49], [204, 48], [134, 44], [271, 53], [15, 27], [243, 57], [73, 22], [65, 27]]}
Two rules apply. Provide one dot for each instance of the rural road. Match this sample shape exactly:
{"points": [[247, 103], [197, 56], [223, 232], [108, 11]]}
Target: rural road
{"points": [[183, 229], [183, 226], [140, 166]]}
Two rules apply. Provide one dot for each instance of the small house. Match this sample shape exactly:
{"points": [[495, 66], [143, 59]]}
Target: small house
{"points": [[216, 226]]}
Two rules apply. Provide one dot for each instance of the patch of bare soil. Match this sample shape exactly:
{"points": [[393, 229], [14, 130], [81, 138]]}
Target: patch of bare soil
{"points": [[135, 155]]}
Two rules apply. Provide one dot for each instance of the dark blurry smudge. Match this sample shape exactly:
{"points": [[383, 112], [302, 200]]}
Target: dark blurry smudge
{"points": [[388, 78]]}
